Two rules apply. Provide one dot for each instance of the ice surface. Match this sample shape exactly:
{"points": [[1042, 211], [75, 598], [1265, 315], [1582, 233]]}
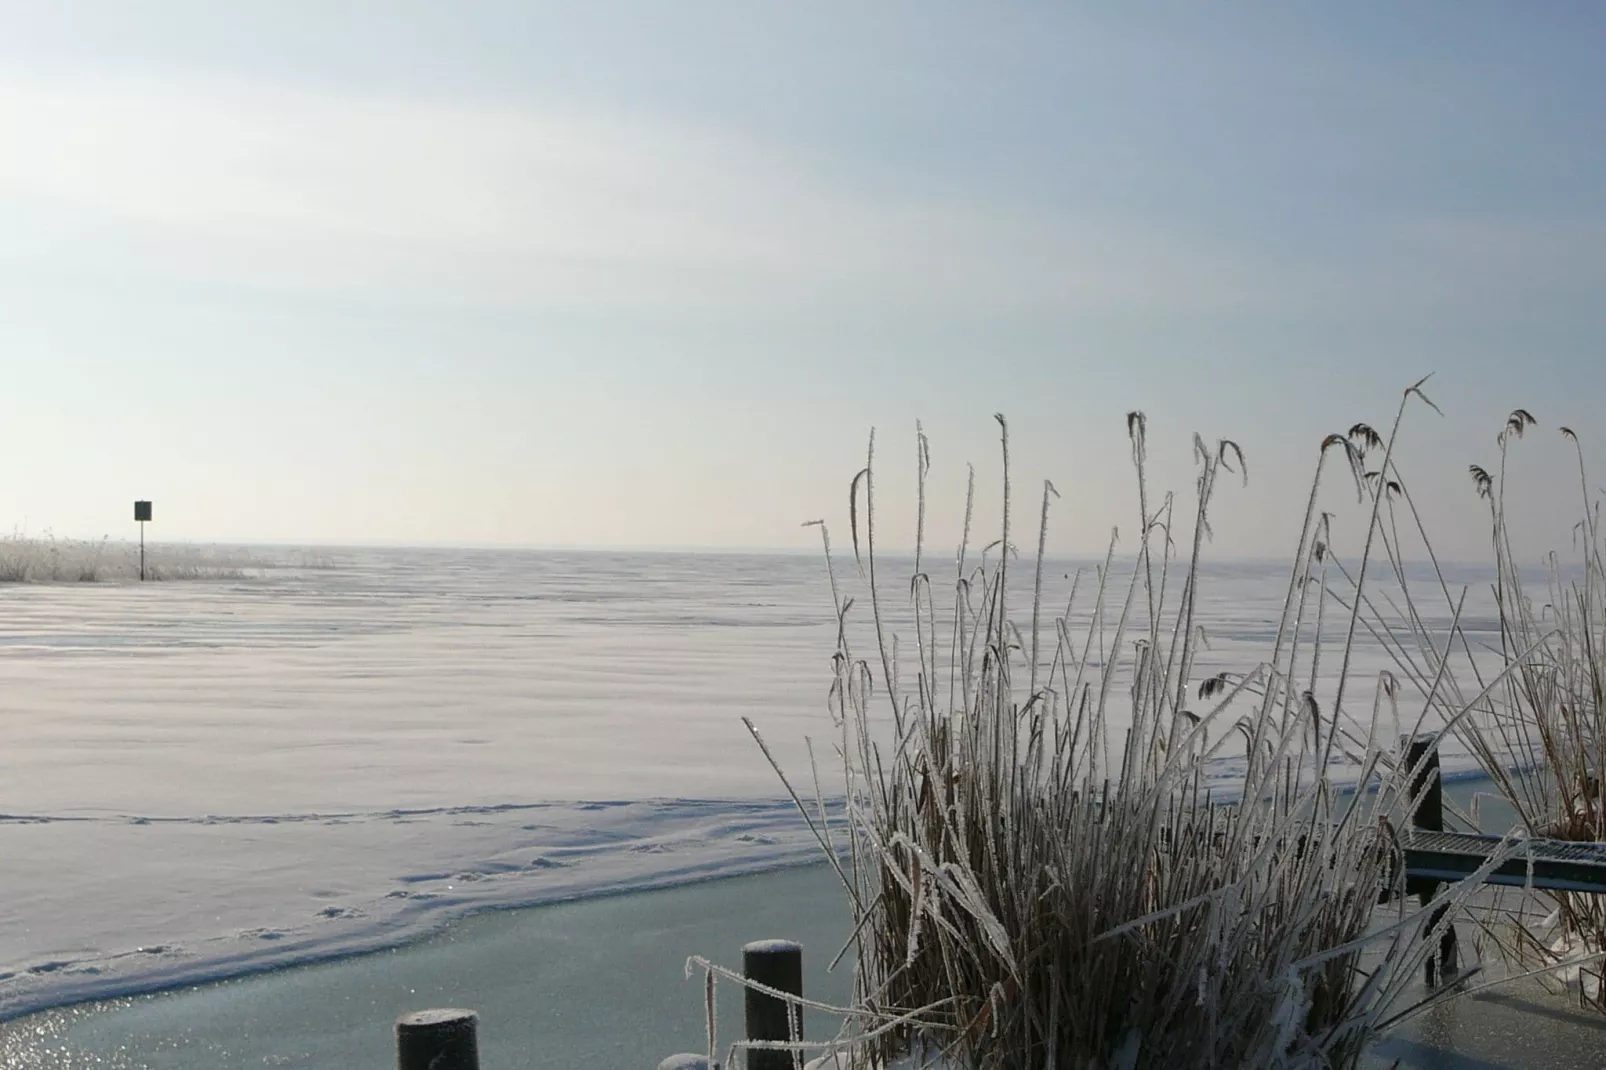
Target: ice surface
{"points": [[204, 779], [102, 906], [596, 983]]}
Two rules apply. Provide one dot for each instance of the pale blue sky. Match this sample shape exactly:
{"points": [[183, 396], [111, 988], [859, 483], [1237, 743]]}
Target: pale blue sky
{"points": [[646, 274]]}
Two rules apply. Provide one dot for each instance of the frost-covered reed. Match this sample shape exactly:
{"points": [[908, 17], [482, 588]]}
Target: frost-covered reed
{"points": [[1541, 734], [1038, 872]]}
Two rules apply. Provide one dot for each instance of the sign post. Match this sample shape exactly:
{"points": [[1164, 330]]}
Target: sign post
{"points": [[142, 513]]}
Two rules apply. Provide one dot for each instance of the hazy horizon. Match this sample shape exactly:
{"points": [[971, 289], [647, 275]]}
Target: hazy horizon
{"points": [[538, 275], [941, 555]]}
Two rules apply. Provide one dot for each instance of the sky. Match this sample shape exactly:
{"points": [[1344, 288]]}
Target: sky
{"points": [[647, 274]]}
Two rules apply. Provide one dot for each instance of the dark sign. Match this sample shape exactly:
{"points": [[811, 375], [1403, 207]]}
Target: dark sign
{"points": [[142, 510]]}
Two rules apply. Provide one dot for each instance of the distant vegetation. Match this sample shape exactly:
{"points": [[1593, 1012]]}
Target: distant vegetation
{"points": [[47, 559]]}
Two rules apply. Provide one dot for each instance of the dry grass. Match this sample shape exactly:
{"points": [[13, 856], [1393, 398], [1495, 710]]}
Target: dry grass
{"points": [[1038, 875]]}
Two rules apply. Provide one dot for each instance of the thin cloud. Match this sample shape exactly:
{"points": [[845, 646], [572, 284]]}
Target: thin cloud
{"points": [[277, 187]]}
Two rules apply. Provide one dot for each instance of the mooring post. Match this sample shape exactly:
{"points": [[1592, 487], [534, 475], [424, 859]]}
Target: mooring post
{"points": [[776, 964], [1427, 785], [442, 1039]]}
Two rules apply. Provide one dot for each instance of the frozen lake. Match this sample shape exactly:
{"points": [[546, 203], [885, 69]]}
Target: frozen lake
{"points": [[202, 779]]}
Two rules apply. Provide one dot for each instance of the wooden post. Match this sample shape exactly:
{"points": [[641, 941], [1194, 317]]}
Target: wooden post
{"points": [[776, 964], [1427, 783], [437, 1040]]}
